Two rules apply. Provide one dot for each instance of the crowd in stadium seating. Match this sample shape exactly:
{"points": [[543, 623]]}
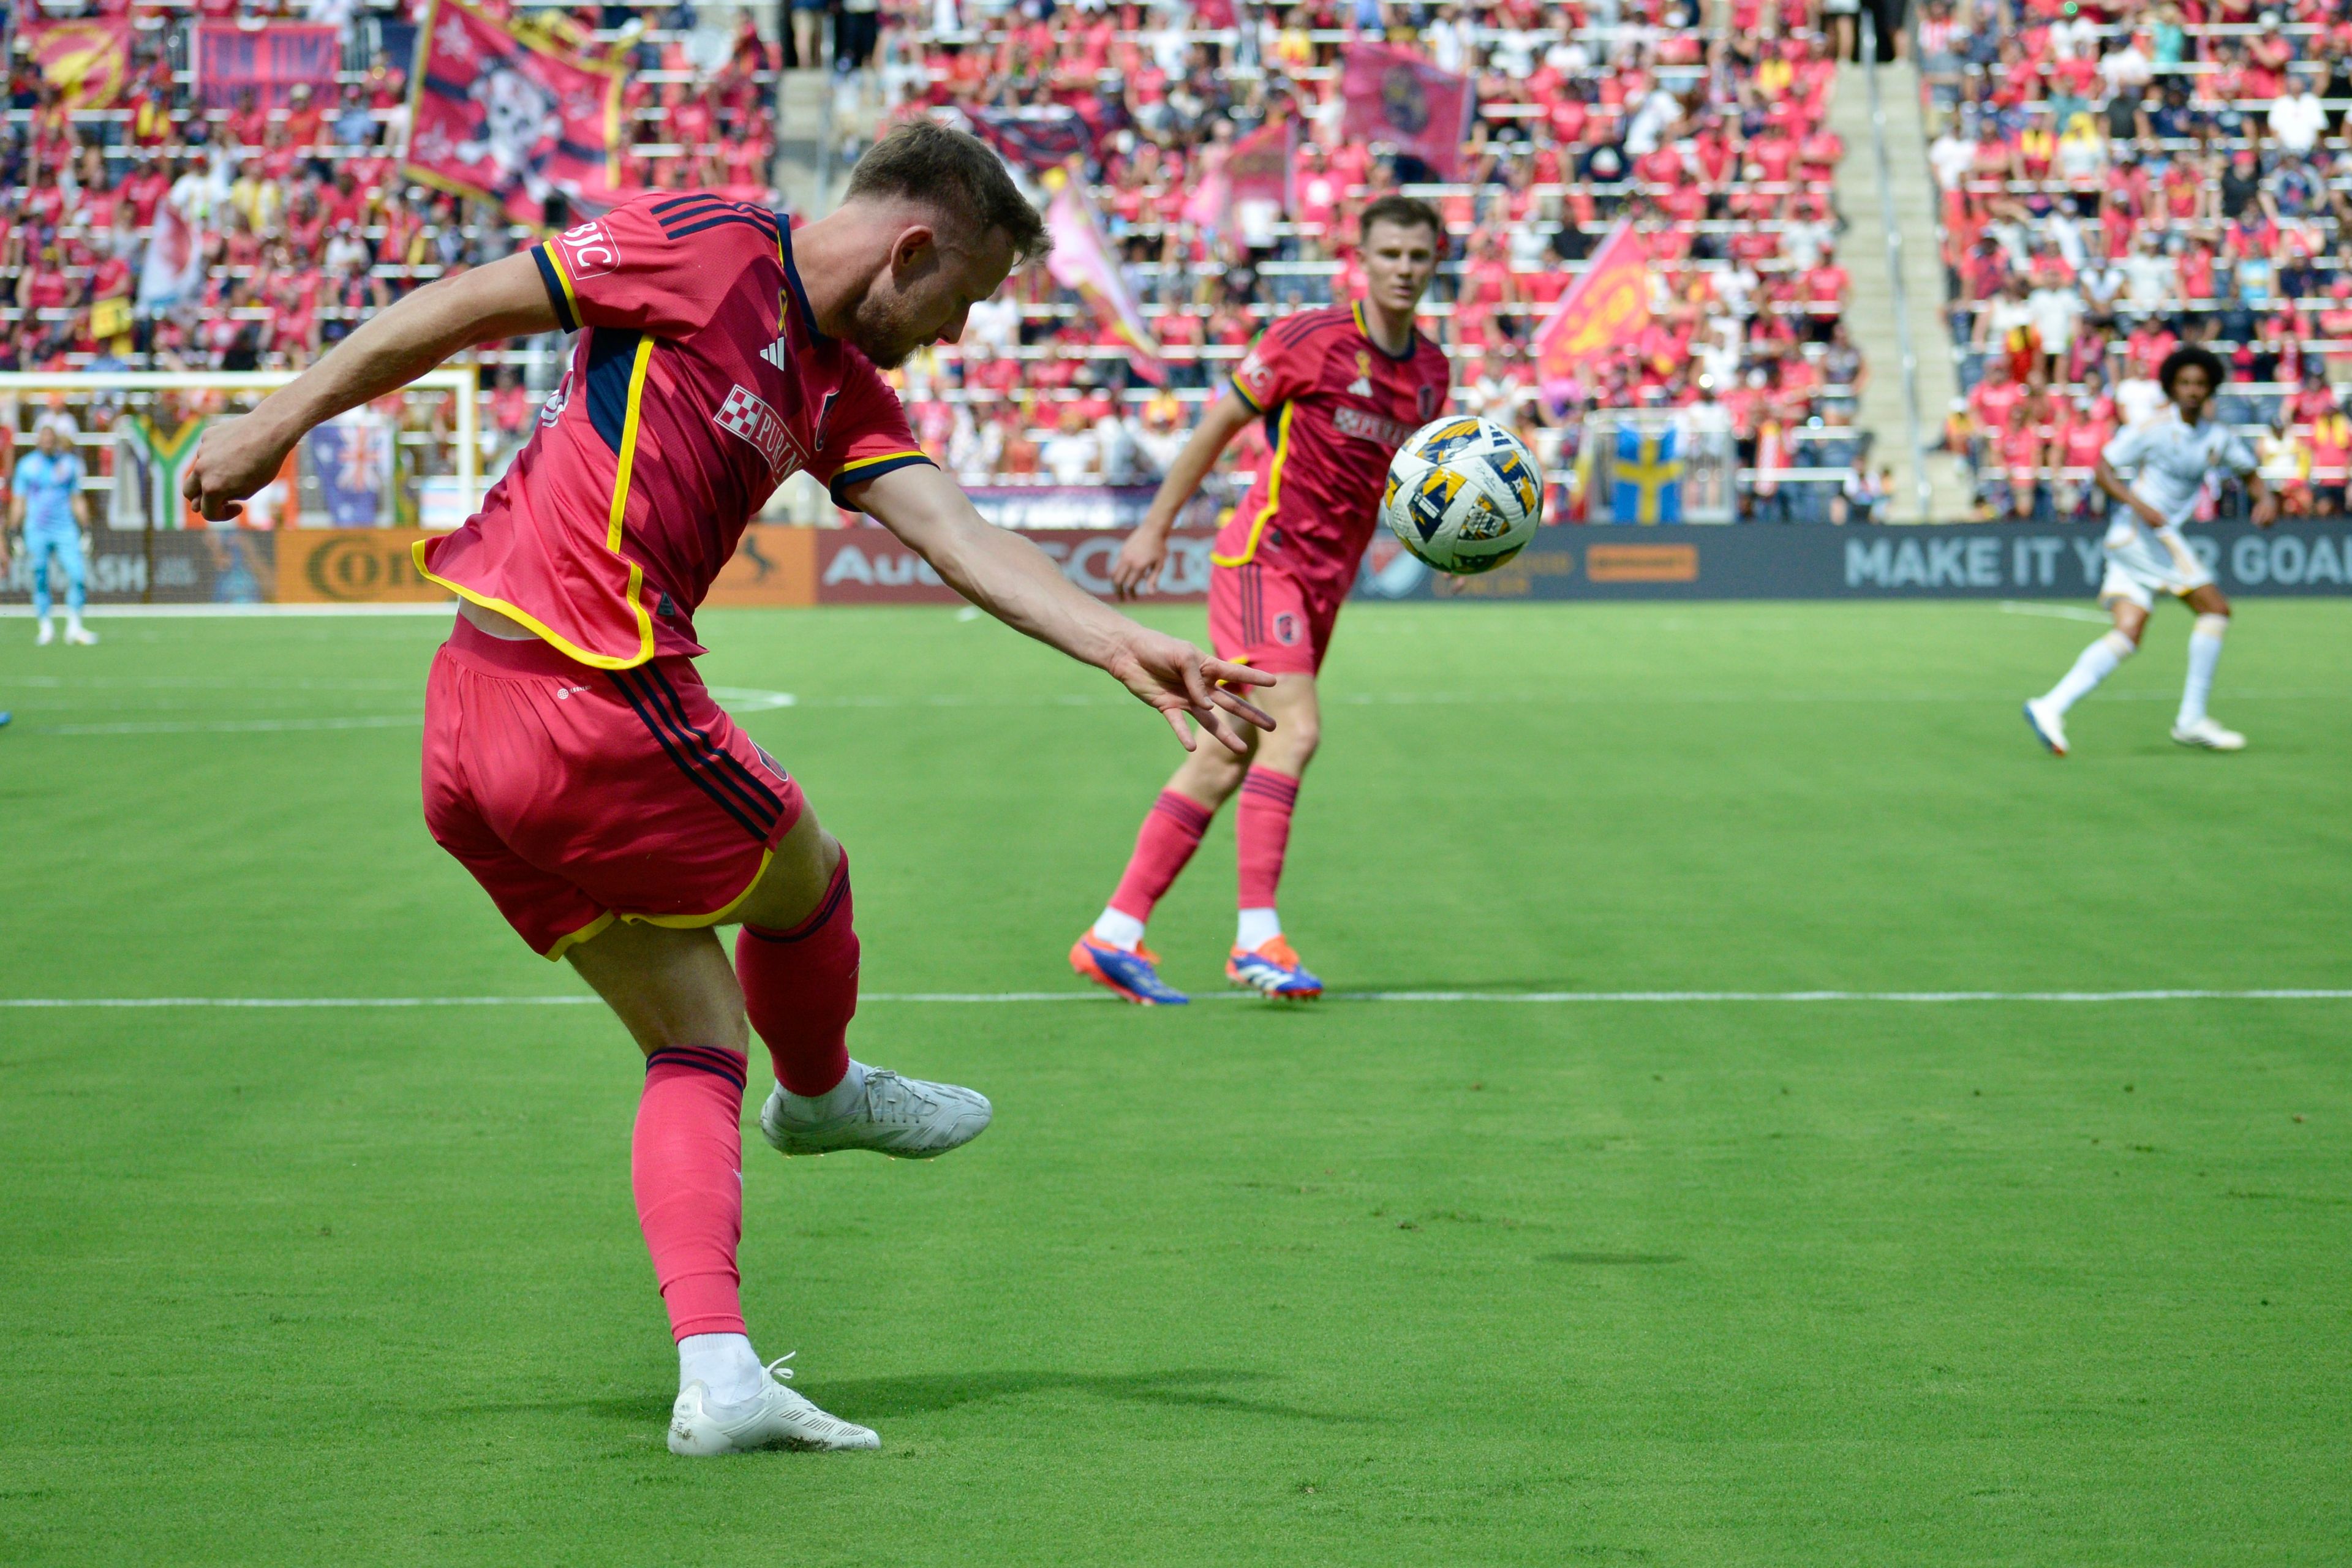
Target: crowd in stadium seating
{"points": [[301, 215], [1715, 145], [2119, 180]]}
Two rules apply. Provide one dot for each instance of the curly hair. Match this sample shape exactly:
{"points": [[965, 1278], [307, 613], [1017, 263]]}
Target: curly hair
{"points": [[2189, 357]]}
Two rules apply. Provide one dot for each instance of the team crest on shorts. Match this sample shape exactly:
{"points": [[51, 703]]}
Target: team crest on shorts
{"points": [[745, 414]]}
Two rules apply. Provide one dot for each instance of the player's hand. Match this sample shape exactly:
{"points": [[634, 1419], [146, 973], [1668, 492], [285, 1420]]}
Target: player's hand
{"points": [[235, 458], [1178, 679], [2149, 514], [1136, 570], [2265, 511]]}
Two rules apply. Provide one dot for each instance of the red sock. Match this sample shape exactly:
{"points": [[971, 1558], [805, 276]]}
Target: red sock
{"points": [[1262, 833], [1171, 832], [800, 986], [686, 1165]]}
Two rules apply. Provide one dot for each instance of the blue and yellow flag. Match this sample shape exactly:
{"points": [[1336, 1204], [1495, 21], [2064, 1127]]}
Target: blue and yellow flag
{"points": [[1647, 477]]}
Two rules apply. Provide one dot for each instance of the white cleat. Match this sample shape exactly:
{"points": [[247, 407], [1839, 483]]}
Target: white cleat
{"points": [[80, 636], [905, 1117], [2048, 726], [45, 636], [2205, 732], [775, 1417]]}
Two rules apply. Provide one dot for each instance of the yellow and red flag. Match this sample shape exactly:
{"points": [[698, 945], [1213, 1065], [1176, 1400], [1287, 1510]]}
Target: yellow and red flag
{"points": [[1608, 306], [88, 61]]}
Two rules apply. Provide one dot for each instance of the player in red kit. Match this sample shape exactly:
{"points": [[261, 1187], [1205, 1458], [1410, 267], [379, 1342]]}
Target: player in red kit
{"points": [[1339, 390], [573, 760]]}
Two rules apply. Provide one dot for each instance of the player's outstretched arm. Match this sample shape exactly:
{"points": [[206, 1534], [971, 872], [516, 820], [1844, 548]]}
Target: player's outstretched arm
{"points": [[504, 299], [1015, 581], [1141, 558]]}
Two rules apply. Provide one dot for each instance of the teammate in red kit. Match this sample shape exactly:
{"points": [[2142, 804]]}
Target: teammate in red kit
{"points": [[574, 761], [1339, 389]]}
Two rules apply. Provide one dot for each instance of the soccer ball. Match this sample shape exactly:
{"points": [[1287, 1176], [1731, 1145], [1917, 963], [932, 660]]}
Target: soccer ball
{"points": [[1464, 494]]}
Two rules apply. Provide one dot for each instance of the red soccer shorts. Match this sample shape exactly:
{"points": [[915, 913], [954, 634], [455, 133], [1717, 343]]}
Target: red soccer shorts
{"points": [[580, 797], [1261, 615]]}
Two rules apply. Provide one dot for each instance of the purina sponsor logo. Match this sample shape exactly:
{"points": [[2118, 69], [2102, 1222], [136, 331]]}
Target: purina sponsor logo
{"points": [[1387, 433], [745, 414]]}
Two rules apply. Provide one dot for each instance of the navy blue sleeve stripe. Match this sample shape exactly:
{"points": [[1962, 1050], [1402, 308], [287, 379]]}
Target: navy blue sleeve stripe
{"points": [[763, 230], [554, 286], [873, 471]]}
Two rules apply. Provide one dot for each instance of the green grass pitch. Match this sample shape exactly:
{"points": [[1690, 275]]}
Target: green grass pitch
{"points": [[1363, 1283]]}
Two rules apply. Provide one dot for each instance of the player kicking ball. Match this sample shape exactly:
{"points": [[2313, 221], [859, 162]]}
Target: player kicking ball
{"points": [[1339, 389], [2168, 457], [574, 761]]}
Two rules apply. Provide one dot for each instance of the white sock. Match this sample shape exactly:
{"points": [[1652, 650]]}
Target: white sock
{"points": [[724, 1363], [2098, 661], [2204, 653], [833, 1101], [46, 629], [73, 620], [1124, 932], [1256, 929]]}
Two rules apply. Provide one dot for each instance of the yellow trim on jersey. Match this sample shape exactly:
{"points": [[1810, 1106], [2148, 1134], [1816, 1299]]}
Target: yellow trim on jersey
{"points": [[636, 589], [570, 298], [845, 475], [572, 939], [1273, 494], [719, 916]]}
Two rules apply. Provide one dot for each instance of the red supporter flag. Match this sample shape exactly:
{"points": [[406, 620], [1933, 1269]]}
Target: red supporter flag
{"points": [[512, 116], [270, 62], [88, 62], [1608, 306], [1395, 96], [1260, 166]]}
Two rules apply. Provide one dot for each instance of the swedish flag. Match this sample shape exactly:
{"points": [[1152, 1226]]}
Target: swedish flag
{"points": [[1647, 477]]}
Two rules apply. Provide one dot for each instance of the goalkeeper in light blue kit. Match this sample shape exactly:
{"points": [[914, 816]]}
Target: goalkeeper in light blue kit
{"points": [[2168, 457], [46, 504]]}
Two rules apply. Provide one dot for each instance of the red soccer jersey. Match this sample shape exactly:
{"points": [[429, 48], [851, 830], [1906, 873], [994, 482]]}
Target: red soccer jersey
{"points": [[1337, 407], [700, 382]]}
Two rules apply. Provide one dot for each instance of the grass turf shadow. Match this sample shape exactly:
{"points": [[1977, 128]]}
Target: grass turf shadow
{"points": [[883, 1398]]}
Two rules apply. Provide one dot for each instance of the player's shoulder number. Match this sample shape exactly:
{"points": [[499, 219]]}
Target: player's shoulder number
{"points": [[588, 249]]}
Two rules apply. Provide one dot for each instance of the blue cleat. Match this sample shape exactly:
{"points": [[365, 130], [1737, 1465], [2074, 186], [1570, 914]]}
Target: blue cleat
{"points": [[1272, 967], [1131, 976]]}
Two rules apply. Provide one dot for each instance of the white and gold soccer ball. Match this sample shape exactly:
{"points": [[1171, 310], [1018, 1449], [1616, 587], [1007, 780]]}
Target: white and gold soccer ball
{"points": [[1464, 494]]}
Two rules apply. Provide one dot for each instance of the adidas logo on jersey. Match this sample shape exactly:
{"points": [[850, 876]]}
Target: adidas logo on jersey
{"points": [[745, 414], [1360, 387], [777, 354]]}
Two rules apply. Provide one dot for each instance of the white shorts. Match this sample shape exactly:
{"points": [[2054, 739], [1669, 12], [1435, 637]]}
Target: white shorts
{"points": [[2142, 562]]}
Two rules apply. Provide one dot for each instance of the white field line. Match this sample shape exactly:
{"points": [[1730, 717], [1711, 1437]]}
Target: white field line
{"points": [[1439, 998], [2061, 612], [744, 701]]}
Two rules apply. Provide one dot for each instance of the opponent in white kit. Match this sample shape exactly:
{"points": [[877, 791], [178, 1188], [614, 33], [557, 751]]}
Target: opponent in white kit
{"points": [[2168, 457]]}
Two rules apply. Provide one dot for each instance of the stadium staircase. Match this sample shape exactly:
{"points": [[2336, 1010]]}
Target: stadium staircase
{"points": [[1872, 314]]}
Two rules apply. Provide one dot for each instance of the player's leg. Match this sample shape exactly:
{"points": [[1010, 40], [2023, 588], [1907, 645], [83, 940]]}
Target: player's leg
{"points": [[2129, 602], [1261, 955], [2193, 726], [797, 961], [1112, 953], [69, 554], [677, 996], [36, 551]]}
